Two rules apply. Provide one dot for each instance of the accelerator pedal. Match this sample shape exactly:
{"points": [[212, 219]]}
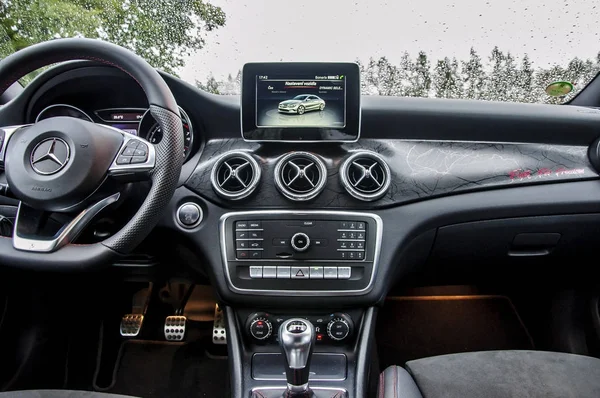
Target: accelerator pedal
{"points": [[219, 333]]}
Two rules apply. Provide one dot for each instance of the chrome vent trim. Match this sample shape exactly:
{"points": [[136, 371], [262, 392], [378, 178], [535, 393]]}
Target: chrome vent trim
{"points": [[300, 176], [366, 176], [235, 175]]}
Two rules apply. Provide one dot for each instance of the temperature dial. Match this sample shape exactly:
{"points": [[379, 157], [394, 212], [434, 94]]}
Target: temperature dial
{"points": [[261, 328], [339, 327]]}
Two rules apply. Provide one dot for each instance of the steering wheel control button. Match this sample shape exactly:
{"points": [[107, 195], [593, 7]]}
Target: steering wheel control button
{"points": [[300, 242], [283, 272], [344, 272], [138, 159], [132, 144], [269, 272], [330, 273], [189, 215], [300, 272], [316, 272], [256, 272], [124, 159]]}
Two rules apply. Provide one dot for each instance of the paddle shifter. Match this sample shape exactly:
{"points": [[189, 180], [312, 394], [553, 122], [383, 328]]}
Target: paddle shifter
{"points": [[297, 340]]}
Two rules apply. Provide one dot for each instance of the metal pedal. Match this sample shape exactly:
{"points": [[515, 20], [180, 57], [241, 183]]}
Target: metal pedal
{"points": [[175, 327], [131, 324], [219, 333]]}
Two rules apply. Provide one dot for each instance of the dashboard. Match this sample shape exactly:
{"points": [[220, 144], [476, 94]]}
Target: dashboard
{"points": [[298, 203]]}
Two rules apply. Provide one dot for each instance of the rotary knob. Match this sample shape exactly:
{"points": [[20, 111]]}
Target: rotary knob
{"points": [[338, 328], [300, 242], [261, 328]]}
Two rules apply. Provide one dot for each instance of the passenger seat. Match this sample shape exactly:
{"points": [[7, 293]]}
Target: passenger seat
{"points": [[494, 374]]}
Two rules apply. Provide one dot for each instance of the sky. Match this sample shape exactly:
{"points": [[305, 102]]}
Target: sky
{"points": [[550, 31]]}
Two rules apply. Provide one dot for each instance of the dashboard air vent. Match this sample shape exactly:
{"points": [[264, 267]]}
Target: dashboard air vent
{"points": [[300, 176], [235, 175], [366, 176]]}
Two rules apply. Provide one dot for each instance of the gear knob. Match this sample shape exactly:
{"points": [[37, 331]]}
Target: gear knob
{"points": [[297, 341]]}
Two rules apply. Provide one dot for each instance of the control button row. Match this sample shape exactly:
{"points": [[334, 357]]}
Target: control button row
{"points": [[240, 225], [249, 244], [360, 225], [249, 254], [244, 235], [351, 255], [283, 272], [286, 242], [345, 244], [358, 235]]}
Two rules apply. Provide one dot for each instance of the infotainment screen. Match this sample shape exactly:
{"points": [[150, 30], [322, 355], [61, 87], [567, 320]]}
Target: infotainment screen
{"points": [[301, 102]]}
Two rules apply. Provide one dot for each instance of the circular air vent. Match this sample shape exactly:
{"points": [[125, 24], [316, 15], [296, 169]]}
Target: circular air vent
{"points": [[235, 175], [366, 176], [300, 176]]}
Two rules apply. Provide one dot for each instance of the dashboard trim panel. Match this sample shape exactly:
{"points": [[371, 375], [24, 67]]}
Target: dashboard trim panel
{"points": [[275, 292]]}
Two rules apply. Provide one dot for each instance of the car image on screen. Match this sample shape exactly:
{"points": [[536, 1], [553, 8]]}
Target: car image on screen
{"points": [[302, 103]]}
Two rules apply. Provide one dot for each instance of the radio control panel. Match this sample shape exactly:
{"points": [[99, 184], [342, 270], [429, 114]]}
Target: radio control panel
{"points": [[280, 252]]}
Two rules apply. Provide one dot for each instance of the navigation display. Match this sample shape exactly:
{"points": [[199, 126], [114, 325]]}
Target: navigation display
{"points": [[310, 102], [301, 101]]}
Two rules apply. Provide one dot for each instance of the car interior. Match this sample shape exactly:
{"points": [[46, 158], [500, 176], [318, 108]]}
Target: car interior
{"points": [[161, 241]]}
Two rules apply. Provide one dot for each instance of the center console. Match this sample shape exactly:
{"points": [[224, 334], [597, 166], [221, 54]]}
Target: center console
{"points": [[300, 253]]}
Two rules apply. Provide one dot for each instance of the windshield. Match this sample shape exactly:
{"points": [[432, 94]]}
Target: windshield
{"points": [[505, 50], [300, 97]]}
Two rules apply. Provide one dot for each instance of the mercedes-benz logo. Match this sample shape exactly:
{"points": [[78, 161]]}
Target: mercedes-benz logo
{"points": [[50, 156]]}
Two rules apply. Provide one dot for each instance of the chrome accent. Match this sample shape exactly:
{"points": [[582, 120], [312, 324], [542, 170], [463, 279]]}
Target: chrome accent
{"points": [[300, 249], [298, 141], [297, 389], [269, 326], [351, 188], [187, 227], [330, 324], [66, 234], [301, 174], [323, 389], [296, 346], [50, 154], [37, 118], [8, 132], [148, 165], [248, 189], [275, 292]]}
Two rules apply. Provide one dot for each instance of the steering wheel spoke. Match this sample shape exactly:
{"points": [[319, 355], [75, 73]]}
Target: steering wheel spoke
{"points": [[6, 133], [135, 160], [27, 222]]}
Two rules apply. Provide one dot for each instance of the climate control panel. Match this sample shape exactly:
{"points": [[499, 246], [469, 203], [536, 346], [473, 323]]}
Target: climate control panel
{"points": [[291, 252], [263, 327]]}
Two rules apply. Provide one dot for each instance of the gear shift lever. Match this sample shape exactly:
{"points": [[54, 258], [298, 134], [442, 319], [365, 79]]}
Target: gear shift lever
{"points": [[297, 340]]}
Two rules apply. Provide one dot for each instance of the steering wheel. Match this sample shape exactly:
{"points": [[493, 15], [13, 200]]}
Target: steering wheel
{"points": [[72, 166]]}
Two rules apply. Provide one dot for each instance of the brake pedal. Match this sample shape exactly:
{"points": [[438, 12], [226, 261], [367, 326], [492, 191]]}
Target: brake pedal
{"points": [[131, 324], [219, 332], [175, 327]]}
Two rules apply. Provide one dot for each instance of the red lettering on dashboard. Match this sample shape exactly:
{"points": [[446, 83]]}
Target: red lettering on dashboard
{"points": [[544, 172]]}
